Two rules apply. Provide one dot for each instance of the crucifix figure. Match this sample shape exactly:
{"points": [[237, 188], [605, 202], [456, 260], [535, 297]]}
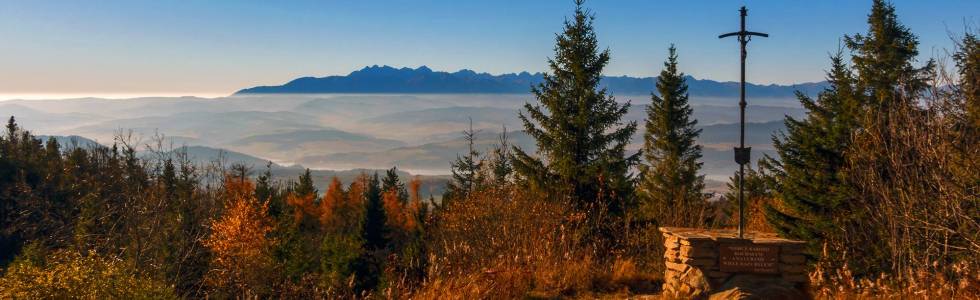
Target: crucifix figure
{"points": [[742, 153]]}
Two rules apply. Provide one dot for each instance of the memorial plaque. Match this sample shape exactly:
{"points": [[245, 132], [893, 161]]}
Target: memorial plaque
{"points": [[748, 258]]}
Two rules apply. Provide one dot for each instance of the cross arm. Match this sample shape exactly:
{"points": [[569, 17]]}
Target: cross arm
{"points": [[743, 33], [728, 35]]}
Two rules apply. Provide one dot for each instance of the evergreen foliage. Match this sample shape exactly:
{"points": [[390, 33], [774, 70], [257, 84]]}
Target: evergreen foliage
{"points": [[105, 201], [305, 186], [670, 191], [759, 191], [883, 59], [814, 189], [811, 188], [578, 128], [465, 170], [968, 66], [391, 182], [373, 235], [374, 216], [342, 244], [499, 163]]}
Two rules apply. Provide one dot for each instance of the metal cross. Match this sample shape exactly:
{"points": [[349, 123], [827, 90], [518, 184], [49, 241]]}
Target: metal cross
{"points": [[742, 153]]}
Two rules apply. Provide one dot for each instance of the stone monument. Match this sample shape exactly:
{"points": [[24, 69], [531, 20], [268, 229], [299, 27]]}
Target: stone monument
{"points": [[702, 262], [733, 263]]}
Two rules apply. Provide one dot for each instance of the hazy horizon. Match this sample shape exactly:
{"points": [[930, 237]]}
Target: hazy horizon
{"points": [[214, 95], [216, 47]]}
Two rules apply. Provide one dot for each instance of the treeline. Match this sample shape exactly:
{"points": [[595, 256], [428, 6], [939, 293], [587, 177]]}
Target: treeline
{"points": [[879, 178], [101, 221]]}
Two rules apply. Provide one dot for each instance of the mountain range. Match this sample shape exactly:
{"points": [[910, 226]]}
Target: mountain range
{"points": [[409, 118], [422, 80]]}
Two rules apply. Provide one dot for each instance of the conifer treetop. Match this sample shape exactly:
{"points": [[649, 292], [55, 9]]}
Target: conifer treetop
{"points": [[580, 136]]}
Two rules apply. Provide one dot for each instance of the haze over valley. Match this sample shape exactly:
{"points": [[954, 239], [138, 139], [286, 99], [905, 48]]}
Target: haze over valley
{"points": [[417, 129]]}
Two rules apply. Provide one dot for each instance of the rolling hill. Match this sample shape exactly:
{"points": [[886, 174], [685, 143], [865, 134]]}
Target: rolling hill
{"points": [[287, 146]]}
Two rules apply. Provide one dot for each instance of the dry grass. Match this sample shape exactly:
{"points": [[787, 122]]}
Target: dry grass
{"points": [[914, 169], [961, 281], [505, 244]]}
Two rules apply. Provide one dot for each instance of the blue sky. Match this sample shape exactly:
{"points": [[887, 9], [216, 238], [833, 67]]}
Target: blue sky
{"points": [[197, 47]]}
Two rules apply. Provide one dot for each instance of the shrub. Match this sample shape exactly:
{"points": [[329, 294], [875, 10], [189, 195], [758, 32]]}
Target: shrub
{"points": [[505, 243], [69, 274], [242, 262]]}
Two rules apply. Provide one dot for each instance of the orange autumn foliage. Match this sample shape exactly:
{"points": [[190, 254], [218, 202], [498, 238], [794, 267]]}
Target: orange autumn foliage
{"points": [[394, 210], [414, 202], [304, 207], [342, 210], [352, 211], [338, 209], [333, 201], [241, 249], [357, 191], [403, 215]]}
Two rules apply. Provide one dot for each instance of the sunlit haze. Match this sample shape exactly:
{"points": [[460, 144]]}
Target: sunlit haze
{"points": [[208, 48]]}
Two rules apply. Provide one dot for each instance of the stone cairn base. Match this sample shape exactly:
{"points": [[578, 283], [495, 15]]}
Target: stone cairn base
{"points": [[694, 267]]}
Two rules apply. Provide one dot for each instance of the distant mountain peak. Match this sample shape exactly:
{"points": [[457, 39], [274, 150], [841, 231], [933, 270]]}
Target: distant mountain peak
{"points": [[405, 80]]}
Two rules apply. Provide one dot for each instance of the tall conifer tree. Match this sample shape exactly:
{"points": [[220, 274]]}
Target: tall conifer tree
{"points": [[811, 157], [374, 216], [374, 235], [465, 170], [305, 186], [670, 187], [883, 59], [578, 127], [811, 171], [499, 163], [391, 182], [968, 66]]}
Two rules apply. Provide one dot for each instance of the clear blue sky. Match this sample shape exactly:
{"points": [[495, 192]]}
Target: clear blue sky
{"points": [[199, 47]]}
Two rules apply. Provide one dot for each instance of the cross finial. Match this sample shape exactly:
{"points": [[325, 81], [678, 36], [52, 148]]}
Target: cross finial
{"points": [[742, 153]]}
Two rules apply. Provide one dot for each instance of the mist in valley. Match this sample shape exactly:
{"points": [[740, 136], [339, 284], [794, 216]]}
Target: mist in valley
{"points": [[418, 133]]}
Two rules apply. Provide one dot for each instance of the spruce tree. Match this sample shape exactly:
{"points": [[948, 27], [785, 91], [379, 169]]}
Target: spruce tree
{"points": [[883, 59], [464, 170], [391, 182], [368, 266], [968, 65], [263, 184], [577, 126], [374, 216], [812, 190], [499, 163], [168, 179], [670, 191], [304, 186]]}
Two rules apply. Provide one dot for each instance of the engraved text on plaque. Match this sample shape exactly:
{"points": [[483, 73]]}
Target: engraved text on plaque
{"points": [[753, 258]]}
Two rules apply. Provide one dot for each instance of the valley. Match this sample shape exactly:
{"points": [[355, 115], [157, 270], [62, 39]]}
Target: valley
{"points": [[331, 133]]}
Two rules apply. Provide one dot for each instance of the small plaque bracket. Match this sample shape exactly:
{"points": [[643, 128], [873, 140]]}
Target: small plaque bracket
{"points": [[743, 155]]}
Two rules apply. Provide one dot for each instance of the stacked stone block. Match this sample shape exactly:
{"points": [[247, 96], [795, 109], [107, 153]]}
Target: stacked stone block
{"points": [[693, 269]]}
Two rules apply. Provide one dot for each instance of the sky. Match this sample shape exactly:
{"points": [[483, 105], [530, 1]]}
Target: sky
{"points": [[215, 47]]}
